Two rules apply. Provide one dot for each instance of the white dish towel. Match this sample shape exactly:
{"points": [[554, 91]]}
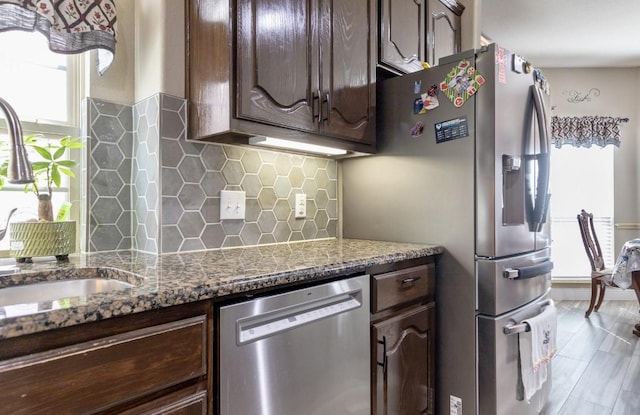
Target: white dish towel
{"points": [[537, 347]]}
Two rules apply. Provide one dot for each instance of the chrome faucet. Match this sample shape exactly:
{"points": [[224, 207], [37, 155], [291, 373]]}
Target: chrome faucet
{"points": [[19, 171]]}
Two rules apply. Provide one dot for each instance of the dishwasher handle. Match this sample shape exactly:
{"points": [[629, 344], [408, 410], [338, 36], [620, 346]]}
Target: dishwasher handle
{"points": [[254, 328]]}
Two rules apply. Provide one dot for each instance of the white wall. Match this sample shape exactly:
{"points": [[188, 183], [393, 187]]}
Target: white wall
{"points": [[117, 84], [160, 48], [150, 53]]}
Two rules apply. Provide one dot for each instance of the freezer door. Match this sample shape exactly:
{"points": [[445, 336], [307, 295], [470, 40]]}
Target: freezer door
{"points": [[498, 366], [509, 283], [512, 158]]}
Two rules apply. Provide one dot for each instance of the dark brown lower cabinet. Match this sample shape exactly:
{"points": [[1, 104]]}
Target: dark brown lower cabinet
{"points": [[187, 401], [404, 378], [158, 364]]}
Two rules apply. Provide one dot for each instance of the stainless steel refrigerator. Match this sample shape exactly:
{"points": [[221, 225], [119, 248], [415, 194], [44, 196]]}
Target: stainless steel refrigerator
{"points": [[463, 162]]}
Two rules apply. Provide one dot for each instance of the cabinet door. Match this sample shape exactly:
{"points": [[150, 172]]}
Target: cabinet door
{"points": [[403, 34], [348, 85], [106, 372], [444, 29], [277, 66], [404, 378]]}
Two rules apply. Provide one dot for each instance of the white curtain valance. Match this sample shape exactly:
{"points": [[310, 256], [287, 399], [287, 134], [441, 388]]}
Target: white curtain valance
{"points": [[586, 131], [72, 26]]}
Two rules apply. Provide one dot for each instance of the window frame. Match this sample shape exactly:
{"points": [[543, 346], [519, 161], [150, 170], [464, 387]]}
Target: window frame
{"points": [[55, 129], [604, 221]]}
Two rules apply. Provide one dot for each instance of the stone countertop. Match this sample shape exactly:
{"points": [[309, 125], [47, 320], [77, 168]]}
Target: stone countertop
{"points": [[171, 279]]}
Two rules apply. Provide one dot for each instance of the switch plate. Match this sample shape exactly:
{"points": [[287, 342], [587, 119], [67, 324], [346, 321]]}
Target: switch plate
{"points": [[232, 204], [301, 206]]}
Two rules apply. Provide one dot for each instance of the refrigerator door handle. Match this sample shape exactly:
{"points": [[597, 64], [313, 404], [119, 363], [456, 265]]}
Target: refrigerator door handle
{"points": [[522, 273], [516, 327], [541, 203]]}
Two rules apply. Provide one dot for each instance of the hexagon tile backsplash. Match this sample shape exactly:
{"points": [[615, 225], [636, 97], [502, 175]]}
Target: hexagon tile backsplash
{"points": [[148, 188]]}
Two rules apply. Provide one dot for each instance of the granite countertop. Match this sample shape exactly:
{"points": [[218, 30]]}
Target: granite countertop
{"points": [[172, 279]]}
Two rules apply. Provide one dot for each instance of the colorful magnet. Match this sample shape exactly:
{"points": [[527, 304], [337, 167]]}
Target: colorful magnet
{"points": [[417, 129], [461, 83], [429, 100], [527, 67], [501, 62], [539, 78], [417, 106], [517, 63]]}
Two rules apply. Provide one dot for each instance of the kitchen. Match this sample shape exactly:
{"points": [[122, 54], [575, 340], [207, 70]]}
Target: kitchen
{"points": [[149, 81]]}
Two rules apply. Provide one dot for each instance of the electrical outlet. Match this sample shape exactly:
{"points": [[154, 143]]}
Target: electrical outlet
{"points": [[455, 405], [301, 206], [232, 204]]}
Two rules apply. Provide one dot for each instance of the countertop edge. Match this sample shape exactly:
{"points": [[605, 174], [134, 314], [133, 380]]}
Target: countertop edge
{"points": [[109, 305]]}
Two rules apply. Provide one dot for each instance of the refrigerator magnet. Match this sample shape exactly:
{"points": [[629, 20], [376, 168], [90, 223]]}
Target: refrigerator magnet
{"points": [[451, 129], [417, 129], [461, 83], [416, 87], [429, 102], [501, 62], [417, 106]]}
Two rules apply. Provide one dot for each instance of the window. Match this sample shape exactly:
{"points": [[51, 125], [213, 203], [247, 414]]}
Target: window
{"points": [[581, 178], [44, 90]]}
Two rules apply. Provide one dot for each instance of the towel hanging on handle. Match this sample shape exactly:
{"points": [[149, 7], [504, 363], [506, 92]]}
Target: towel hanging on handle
{"points": [[536, 348]]}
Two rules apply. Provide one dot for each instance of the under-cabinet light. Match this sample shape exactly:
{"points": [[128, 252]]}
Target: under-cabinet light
{"points": [[294, 145]]}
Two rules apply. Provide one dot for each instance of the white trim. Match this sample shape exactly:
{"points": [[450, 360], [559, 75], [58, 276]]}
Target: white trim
{"points": [[584, 293], [571, 280]]}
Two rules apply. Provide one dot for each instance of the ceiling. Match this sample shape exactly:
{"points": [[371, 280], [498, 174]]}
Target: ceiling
{"points": [[566, 33]]}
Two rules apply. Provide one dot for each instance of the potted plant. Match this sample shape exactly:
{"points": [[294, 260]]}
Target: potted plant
{"points": [[44, 237]]}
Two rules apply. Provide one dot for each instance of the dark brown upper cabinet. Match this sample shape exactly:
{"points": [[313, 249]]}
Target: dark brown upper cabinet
{"points": [[444, 24], [416, 31], [303, 71]]}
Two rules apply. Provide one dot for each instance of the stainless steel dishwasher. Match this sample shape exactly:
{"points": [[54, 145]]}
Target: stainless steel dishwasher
{"points": [[302, 352]]}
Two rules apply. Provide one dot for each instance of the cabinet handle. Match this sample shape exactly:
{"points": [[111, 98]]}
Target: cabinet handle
{"points": [[410, 280], [316, 98], [327, 100], [383, 342]]}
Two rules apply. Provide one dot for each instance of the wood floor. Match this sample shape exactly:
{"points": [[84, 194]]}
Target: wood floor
{"points": [[597, 368]]}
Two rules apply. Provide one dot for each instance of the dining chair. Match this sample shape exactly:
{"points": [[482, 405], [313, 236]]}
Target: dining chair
{"points": [[600, 275]]}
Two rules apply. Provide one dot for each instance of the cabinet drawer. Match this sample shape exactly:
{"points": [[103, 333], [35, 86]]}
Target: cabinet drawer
{"points": [[188, 401], [394, 288], [98, 374]]}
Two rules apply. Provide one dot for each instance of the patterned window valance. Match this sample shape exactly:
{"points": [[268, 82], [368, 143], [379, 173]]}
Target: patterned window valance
{"points": [[72, 26], [586, 131]]}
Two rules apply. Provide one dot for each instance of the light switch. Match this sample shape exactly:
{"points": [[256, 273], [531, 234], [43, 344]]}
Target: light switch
{"points": [[301, 206], [232, 204]]}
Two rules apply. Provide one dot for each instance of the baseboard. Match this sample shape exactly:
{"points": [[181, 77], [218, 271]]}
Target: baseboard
{"points": [[580, 293]]}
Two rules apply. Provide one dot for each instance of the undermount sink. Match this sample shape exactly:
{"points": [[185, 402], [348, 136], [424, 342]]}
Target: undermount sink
{"points": [[49, 286], [54, 290]]}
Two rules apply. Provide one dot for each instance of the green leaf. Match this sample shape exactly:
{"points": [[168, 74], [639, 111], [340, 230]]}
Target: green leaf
{"points": [[67, 163], [31, 139], [71, 142], [59, 153], [66, 171], [44, 152], [40, 165], [55, 175]]}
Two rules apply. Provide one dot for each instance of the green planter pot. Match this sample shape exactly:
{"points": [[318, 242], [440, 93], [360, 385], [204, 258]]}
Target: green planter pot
{"points": [[34, 239]]}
